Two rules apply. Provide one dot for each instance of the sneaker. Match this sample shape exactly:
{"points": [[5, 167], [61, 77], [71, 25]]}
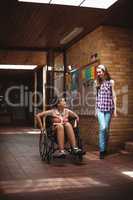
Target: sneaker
{"points": [[59, 153], [66, 152], [76, 150]]}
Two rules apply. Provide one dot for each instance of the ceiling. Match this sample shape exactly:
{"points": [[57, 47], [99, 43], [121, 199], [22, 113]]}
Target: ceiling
{"points": [[39, 27], [18, 75]]}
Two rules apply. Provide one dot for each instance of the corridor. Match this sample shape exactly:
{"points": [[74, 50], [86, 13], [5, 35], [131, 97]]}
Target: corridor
{"points": [[24, 176]]}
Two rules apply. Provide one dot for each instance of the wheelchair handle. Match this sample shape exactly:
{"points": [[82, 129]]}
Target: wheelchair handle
{"points": [[75, 123], [42, 131]]}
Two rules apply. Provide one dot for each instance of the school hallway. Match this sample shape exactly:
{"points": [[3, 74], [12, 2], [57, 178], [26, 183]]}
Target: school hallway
{"points": [[24, 176]]}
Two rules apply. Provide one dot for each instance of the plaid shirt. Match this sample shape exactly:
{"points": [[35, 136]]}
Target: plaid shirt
{"points": [[104, 100]]}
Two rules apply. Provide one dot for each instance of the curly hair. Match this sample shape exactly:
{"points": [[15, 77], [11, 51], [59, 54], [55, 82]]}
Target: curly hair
{"points": [[55, 101]]}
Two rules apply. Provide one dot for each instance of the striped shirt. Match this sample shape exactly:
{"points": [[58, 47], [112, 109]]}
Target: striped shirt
{"points": [[104, 99]]}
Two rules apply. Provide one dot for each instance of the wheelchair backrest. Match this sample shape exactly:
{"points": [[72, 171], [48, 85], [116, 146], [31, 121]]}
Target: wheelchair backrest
{"points": [[49, 124]]}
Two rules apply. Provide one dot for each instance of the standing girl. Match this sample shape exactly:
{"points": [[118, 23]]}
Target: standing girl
{"points": [[105, 105]]}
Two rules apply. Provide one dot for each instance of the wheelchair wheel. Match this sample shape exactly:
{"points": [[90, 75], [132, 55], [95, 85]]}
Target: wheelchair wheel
{"points": [[50, 149], [43, 146], [80, 157], [80, 146], [46, 148]]}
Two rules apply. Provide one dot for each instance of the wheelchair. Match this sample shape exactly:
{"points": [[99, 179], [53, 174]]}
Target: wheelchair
{"points": [[48, 141]]}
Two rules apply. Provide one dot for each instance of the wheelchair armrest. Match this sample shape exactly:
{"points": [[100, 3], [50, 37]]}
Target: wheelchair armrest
{"points": [[73, 121], [49, 125], [75, 124]]}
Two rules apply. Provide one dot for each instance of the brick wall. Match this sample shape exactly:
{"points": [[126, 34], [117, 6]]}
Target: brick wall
{"points": [[115, 49]]}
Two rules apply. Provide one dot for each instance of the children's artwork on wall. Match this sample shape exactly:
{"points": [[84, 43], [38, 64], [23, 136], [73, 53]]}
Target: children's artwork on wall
{"points": [[68, 82], [74, 92], [89, 73], [74, 79], [82, 93]]}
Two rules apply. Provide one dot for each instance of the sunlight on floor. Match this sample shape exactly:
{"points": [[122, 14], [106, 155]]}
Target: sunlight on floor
{"points": [[128, 173], [34, 132], [19, 131], [49, 184]]}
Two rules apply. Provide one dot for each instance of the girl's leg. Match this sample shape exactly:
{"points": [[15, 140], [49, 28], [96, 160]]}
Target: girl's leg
{"points": [[102, 130], [108, 116], [70, 134], [60, 136], [71, 137]]}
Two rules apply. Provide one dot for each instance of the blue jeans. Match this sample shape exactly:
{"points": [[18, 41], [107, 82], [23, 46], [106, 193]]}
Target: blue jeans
{"points": [[104, 119]]}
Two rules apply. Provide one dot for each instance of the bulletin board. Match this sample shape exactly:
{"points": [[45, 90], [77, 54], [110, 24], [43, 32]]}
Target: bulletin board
{"points": [[81, 92]]}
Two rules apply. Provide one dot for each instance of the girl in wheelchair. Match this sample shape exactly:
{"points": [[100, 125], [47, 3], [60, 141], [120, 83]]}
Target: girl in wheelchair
{"points": [[62, 126]]}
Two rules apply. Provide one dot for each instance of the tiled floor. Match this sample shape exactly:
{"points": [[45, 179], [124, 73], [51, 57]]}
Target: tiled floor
{"points": [[24, 176]]}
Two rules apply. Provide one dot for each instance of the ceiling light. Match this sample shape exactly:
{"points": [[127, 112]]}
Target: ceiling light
{"points": [[18, 67], [36, 1], [49, 68], [76, 31], [69, 67], [104, 4], [67, 2]]}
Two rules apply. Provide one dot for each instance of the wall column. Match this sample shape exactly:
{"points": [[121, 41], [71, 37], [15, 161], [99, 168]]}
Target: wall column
{"points": [[35, 98], [49, 77], [65, 72]]}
